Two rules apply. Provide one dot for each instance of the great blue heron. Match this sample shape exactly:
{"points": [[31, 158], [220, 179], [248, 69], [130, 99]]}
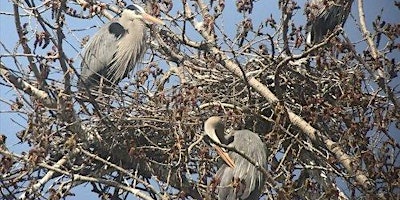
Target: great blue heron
{"points": [[323, 16], [237, 178], [115, 49]]}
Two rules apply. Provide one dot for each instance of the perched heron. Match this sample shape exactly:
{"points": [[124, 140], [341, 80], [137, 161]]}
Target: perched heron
{"points": [[116, 48], [237, 178], [323, 16]]}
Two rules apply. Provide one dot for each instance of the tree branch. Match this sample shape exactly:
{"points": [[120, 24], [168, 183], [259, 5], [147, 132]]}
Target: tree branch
{"points": [[26, 87]]}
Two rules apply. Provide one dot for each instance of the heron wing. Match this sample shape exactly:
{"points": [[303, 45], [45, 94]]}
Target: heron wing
{"points": [[325, 16], [244, 181], [99, 53], [224, 176]]}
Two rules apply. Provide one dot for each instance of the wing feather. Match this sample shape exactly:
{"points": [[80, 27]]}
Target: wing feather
{"points": [[323, 16], [99, 52]]}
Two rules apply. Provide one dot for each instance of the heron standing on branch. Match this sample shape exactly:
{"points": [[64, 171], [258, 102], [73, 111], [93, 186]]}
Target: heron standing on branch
{"points": [[323, 16], [116, 48], [237, 178]]}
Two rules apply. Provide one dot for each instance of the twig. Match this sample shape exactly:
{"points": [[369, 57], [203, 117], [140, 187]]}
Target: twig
{"points": [[227, 105], [283, 64]]}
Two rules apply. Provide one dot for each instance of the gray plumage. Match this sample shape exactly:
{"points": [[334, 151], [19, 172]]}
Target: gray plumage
{"points": [[323, 16], [250, 181], [116, 48], [244, 180]]}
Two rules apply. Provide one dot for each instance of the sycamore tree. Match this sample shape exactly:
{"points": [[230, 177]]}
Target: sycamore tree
{"points": [[328, 113]]}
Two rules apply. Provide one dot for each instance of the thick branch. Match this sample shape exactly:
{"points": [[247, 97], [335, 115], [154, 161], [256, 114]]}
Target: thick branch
{"points": [[366, 34], [26, 87], [48, 176]]}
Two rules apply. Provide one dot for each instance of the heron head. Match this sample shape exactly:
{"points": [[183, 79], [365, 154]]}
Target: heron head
{"points": [[214, 128], [135, 11]]}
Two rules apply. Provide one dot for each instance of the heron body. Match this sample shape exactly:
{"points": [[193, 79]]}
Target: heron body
{"points": [[323, 16], [243, 180], [116, 48]]}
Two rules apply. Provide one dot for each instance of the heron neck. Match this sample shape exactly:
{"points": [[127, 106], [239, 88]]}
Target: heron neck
{"points": [[135, 25]]}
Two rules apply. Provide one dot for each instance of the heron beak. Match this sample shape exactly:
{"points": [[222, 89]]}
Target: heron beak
{"points": [[225, 156], [152, 19]]}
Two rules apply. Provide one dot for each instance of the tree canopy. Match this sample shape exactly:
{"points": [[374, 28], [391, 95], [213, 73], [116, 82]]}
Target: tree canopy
{"points": [[328, 113]]}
